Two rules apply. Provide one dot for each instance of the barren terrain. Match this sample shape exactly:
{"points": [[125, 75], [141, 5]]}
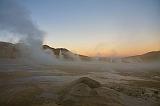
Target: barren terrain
{"points": [[122, 84]]}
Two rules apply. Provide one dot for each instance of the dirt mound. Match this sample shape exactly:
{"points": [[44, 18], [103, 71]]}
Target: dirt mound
{"points": [[88, 81], [87, 92]]}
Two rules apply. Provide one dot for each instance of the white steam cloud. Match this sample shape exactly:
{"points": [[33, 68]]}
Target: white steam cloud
{"points": [[16, 21]]}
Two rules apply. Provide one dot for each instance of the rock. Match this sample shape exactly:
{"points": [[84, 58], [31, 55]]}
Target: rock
{"points": [[88, 81], [80, 89], [87, 92]]}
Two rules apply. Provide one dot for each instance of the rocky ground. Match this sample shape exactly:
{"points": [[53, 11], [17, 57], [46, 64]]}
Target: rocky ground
{"points": [[85, 84]]}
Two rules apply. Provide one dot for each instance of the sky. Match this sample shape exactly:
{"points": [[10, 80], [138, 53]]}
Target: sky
{"points": [[98, 27]]}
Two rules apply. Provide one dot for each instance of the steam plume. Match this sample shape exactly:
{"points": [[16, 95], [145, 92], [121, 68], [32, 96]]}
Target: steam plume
{"points": [[16, 19]]}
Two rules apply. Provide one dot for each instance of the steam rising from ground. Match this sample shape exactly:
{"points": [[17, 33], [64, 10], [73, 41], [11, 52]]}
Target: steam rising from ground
{"points": [[16, 21], [16, 24]]}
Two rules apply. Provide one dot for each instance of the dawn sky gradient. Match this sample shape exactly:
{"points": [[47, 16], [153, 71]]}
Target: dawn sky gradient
{"points": [[99, 27]]}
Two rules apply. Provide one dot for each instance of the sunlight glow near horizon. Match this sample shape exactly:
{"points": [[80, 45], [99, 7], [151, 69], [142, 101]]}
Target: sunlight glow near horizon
{"points": [[99, 27]]}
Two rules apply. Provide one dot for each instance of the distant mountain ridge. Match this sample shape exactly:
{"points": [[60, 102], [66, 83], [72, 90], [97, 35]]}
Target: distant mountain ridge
{"points": [[9, 50], [66, 53], [150, 56]]}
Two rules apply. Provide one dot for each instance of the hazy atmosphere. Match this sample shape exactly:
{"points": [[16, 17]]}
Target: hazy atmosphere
{"points": [[91, 27], [79, 53]]}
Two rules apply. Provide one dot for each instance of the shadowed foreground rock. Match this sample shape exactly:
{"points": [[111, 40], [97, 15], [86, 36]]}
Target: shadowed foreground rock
{"points": [[87, 81], [88, 92]]}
